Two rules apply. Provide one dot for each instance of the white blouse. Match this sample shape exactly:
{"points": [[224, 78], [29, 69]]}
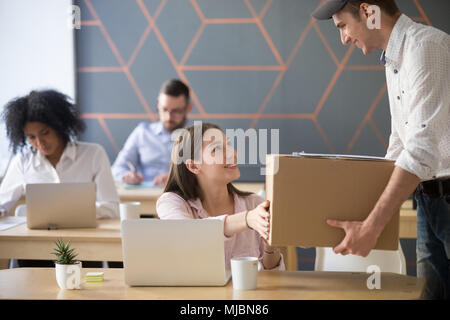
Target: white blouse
{"points": [[80, 162]]}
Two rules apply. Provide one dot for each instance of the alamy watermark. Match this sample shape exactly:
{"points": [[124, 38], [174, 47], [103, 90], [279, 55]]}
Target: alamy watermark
{"points": [[374, 280], [74, 19], [374, 20], [258, 143]]}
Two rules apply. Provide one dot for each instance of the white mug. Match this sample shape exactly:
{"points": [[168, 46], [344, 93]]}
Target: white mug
{"points": [[68, 276], [130, 210], [244, 273]]}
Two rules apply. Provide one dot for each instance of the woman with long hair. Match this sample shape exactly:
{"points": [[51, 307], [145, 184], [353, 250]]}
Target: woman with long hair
{"points": [[199, 187]]}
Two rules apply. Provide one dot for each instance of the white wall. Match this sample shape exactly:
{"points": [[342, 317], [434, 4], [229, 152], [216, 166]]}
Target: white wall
{"points": [[36, 52]]}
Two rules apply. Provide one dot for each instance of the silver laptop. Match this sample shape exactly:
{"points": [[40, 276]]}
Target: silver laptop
{"points": [[61, 205], [173, 252]]}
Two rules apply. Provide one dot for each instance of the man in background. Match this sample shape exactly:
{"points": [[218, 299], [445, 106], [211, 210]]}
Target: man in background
{"points": [[147, 151]]}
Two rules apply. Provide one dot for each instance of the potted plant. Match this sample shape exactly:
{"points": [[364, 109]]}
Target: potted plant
{"points": [[68, 270]]}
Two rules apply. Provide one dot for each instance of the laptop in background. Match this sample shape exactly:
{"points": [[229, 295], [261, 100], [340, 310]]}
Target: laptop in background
{"points": [[61, 205], [173, 252]]}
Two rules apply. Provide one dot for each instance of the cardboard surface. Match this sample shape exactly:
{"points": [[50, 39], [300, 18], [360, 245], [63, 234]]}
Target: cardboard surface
{"points": [[306, 191]]}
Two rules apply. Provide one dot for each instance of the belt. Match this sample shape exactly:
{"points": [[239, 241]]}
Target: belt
{"points": [[435, 188]]}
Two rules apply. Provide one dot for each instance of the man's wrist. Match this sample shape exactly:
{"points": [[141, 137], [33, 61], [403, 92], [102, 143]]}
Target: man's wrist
{"points": [[374, 224]]}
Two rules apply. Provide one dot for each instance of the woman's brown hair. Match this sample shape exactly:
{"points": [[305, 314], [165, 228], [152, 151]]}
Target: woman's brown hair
{"points": [[188, 145]]}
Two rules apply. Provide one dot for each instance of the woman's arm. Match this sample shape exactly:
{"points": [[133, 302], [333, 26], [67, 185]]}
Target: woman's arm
{"points": [[12, 187], [256, 219], [107, 203]]}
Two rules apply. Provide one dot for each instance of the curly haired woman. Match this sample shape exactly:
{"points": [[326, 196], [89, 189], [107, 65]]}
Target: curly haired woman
{"points": [[42, 127]]}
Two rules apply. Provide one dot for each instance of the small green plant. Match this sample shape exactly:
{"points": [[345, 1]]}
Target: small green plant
{"points": [[64, 253]]}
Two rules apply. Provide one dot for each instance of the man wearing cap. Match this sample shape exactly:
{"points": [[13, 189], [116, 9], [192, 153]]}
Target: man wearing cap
{"points": [[417, 61]]}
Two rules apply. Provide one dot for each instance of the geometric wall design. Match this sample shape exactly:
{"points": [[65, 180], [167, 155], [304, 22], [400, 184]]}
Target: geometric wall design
{"points": [[249, 64]]}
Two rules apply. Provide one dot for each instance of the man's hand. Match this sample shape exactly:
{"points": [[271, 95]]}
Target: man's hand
{"points": [[133, 178], [360, 237], [161, 179]]}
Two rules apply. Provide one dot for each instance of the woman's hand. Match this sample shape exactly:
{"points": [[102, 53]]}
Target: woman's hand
{"points": [[259, 219]]}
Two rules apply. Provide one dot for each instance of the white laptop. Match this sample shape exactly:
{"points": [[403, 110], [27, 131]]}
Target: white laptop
{"points": [[173, 252], [61, 205]]}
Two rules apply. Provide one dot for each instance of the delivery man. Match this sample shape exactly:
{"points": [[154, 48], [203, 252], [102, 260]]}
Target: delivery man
{"points": [[417, 61]]}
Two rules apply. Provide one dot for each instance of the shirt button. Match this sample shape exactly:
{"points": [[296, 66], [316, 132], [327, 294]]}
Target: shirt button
{"points": [[395, 71], [398, 97]]}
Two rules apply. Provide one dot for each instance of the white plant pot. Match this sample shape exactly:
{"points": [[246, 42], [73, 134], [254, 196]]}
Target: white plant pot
{"points": [[68, 276]]}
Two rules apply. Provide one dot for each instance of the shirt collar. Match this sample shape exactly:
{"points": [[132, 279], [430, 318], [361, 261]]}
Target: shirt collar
{"points": [[396, 41], [383, 58], [69, 152], [159, 128]]}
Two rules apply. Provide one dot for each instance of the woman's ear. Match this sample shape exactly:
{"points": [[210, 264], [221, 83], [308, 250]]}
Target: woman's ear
{"points": [[192, 167]]}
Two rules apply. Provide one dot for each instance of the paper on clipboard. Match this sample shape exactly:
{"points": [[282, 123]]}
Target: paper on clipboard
{"points": [[336, 156]]}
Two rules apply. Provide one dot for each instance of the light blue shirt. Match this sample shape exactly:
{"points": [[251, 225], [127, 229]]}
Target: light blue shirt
{"points": [[148, 148]]}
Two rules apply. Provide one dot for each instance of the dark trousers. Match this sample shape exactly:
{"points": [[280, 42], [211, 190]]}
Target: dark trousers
{"points": [[433, 244]]}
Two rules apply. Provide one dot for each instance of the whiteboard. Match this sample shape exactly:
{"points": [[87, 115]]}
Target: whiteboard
{"points": [[37, 52]]}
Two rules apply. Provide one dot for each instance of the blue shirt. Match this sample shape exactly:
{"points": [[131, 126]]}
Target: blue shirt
{"points": [[148, 148]]}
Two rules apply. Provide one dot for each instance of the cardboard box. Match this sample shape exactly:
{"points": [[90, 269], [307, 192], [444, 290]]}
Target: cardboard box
{"points": [[305, 191]]}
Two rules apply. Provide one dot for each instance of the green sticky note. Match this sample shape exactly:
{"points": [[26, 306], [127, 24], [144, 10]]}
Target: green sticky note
{"points": [[94, 274]]}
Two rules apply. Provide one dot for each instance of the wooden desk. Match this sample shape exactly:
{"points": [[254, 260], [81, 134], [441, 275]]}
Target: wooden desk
{"points": [[100, 244], [40, 283], [148, 197], [104, 243]]}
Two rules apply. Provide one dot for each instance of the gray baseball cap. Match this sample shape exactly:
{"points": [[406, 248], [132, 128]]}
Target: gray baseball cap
{"points": [[329, 8]]}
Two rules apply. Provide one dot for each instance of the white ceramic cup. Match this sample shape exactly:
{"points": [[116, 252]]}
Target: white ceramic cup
{"points": [[68, 276], [244, 273], [130, 210]]}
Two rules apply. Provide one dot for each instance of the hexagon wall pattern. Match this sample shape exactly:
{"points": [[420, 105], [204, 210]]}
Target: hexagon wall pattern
{"points": [[249, 63]]}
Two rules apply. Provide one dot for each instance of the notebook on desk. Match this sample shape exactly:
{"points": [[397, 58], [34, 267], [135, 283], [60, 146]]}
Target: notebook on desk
{"points": [[143, 185], [61, 205], [173, 252]]}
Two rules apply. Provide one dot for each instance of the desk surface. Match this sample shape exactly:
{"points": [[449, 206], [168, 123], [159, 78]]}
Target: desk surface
{"points": [[104, 243], [40, 283], [148, 194], [107, 230], [95, 244]]}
